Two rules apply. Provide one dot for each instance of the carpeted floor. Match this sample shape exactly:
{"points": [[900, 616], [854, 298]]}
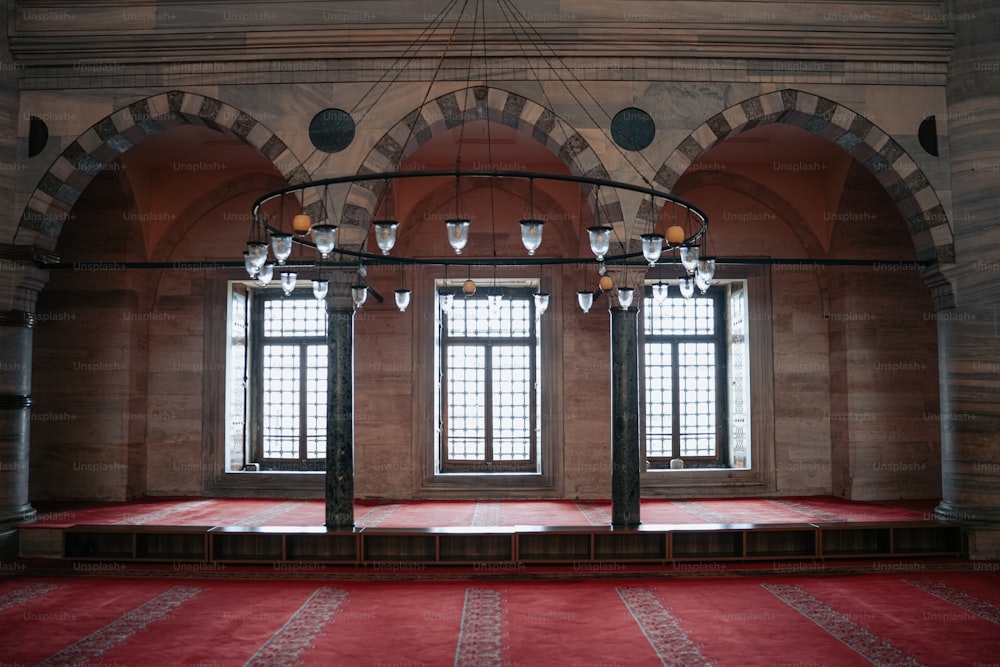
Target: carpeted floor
{"points": [[905, 615], [419, 513]]}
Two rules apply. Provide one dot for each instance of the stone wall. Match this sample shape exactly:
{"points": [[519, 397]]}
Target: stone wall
{"points": [[145, 423]]}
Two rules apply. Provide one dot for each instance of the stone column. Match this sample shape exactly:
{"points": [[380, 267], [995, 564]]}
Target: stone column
{"points": [[624, 417], [15, 402], [20, 282], [340, 410], [968, 343]]}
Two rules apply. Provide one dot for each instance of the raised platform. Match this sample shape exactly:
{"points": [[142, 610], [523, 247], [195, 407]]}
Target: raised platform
{"points": [[665, 544], [148, 531]]}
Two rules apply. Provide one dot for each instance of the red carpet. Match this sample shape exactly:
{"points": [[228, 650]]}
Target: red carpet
{"points": [[908, 617], [423, 513]]}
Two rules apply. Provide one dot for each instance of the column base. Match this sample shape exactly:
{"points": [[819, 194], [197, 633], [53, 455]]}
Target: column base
{"points": [[625, 526], [982, 529], [9, 545], [21, 514], [949, 511]]}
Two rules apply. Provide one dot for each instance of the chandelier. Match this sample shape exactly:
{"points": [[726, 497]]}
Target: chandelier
{"points": [[272, 235]]}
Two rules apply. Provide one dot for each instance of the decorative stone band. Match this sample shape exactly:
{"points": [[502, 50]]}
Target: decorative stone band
{"points": [[437, 116], [17, 318], [52, 201], [881, 155], [14, 402]]}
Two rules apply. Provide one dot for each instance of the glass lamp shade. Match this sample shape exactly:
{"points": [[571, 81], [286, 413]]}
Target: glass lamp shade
{"points": [[541, 303], [531, 234], [687, 287], [675, 235], [469, 287], [689, 258], [385, 235], [325, 238], [358, 295], [600, 241], [249, 265], [706, 269], [585, 299], [606, 283], [652, 247], [458, 234], [625, 296], [701, 282], [288, 282], [258, 252], [494, 304], [265, 274], [282, 245], [660, 293], [301, 223], [446, 300], [320, 289], [402, 299]]}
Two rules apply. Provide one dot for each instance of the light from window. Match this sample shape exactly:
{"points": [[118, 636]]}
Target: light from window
{"points": [[683, 353], [291, 391], [489, 390]]}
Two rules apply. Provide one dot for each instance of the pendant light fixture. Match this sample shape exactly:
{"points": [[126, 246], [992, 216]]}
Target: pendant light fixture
{"points": [[385, 235], [531, 234], [281, 243], [402, 299], [288, 282], [320, 288], [325, 238]]}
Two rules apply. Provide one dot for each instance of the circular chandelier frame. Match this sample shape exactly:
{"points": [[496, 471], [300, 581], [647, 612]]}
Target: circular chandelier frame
{"points": [[692, 213]]}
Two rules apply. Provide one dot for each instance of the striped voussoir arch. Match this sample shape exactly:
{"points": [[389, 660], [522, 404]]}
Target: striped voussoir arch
{"points": [[471, 104], [907, 185], [58, 190]]}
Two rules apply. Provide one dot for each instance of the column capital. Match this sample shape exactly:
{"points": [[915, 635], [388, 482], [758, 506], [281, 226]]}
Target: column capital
{"points": [[22, 276]]}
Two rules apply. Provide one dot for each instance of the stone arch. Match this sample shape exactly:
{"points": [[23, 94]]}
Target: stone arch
{"points": [[60, 187], [472, 104], [906, 184]]}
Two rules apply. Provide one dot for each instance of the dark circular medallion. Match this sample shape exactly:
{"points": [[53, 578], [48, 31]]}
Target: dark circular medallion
{"points": [[632, 129], [331, 130]]}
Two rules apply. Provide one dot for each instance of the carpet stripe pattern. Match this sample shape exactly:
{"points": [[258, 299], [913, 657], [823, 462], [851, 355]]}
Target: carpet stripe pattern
{"points": [[376, 515], [664, 633], [487, 514], [295, 636], [875, 649], [24, 595], [812, 512], [271, 514], [159, 515], [906, 619], [971, 604], [118, 632], [594, 514], [480, 638], [702, 512]]}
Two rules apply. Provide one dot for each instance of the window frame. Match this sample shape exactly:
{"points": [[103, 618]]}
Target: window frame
{"points": [[257, 341], [448, 464], [760, 476], [428, 481], [718, 338]]}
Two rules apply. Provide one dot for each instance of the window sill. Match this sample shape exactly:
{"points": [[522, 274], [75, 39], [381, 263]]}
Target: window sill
{"points": [[489, 485], [280, 483], [705, 482]]}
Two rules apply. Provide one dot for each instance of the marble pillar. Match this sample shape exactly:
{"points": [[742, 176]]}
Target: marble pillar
{"points": [[15, 415], [624, 417], [968, 339], [340, 412], [21, 280]]}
